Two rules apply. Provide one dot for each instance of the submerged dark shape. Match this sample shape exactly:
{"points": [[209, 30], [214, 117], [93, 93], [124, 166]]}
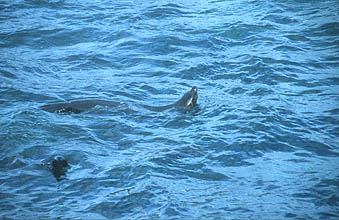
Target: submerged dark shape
{"points": [[76, 106], [187, 101], [58, 167]]}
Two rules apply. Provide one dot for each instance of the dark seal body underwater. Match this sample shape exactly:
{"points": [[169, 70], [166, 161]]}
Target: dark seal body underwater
{"points": [[76, 106], [186, 102]]}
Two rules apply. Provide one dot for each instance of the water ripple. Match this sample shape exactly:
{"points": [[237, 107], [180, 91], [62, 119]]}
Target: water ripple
{"points": [[266, 124]]}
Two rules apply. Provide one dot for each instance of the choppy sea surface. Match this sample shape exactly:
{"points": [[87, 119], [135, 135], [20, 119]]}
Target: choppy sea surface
{"points": [[263, 142]]}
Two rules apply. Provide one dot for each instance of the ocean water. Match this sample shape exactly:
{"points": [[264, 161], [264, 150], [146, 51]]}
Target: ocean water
{"points": [[263, 142]]}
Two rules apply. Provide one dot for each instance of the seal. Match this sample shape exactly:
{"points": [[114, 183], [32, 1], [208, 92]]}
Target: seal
{"points": [[58, 167], [186, 102]]}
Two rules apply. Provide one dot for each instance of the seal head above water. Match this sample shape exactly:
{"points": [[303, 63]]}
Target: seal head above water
{"points": [[187, 102], [58, 166]]}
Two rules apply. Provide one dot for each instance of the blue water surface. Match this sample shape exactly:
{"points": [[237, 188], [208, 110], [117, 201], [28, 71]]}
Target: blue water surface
{"points": [[263, 142]]}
